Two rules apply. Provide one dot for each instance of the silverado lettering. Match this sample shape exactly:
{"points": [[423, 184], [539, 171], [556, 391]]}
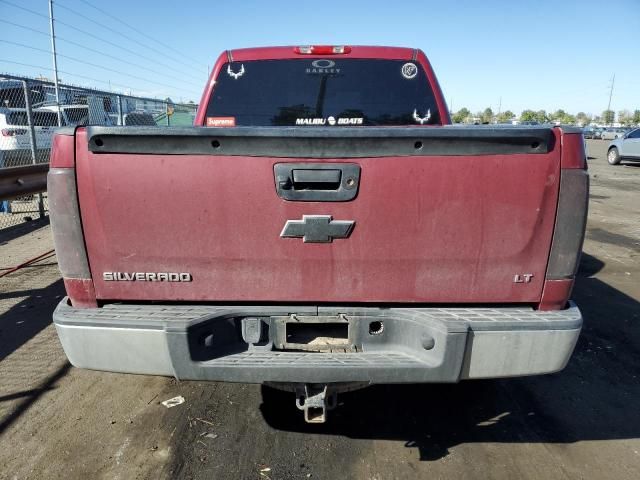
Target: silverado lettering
{"points": [[146, 277], [337, 232]]}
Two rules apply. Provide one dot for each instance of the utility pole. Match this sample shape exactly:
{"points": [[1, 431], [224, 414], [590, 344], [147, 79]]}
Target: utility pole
{"points": [[613, 80], [55, 62]]}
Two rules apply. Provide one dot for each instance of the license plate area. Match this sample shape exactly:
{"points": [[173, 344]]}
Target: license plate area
{"points": [[314, 334]]}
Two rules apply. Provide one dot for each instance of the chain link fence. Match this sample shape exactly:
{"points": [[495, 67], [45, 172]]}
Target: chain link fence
{"points": [[30, 113]]}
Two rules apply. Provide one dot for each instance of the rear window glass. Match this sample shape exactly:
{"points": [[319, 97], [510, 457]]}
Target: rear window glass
{"points": [[40, 119], [139, 119], [322, 92], [17, 118], [45, 119], [76, 116]]}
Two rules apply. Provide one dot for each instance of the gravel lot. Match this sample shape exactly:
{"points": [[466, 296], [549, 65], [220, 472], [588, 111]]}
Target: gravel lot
{"points": [[60, 422]]}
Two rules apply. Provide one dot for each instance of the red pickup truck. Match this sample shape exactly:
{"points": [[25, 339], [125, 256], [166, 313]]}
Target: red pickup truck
{"points": [[322, 227]]}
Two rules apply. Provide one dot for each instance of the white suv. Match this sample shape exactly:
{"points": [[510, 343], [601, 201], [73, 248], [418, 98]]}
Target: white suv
{"points": [[15, 141]]}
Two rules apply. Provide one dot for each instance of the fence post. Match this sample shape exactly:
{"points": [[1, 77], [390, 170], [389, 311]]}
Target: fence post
{"points": [[32, 138], [120, 116]]}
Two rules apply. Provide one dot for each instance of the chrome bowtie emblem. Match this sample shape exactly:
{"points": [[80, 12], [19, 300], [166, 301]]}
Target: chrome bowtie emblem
{"points": [[317, 229]]}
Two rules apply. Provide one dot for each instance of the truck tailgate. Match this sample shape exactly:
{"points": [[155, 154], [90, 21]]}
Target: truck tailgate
{"points": [[433, 226]]}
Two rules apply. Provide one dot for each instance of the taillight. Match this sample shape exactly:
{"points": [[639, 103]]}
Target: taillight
{"points": [[322, 50], [66, 225], [571, 221], [6, 132]]}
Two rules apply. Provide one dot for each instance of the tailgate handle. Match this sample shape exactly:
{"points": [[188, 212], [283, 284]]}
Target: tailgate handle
{"points": [[317, 182], [313, 179]]}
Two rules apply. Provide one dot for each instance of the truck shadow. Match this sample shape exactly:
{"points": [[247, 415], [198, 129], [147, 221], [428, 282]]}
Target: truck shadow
{"points": [[28, 317], [594, 398], [11, 233], [18, 325]]}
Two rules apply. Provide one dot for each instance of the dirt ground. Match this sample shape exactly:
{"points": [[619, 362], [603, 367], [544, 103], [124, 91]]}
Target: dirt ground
{"points": [[57, 421]]}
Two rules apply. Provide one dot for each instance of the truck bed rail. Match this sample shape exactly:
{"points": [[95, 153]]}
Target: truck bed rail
{"points": [[322, 142]]}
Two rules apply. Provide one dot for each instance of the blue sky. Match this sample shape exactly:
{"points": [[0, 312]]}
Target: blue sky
{"points": [[539, 55]]}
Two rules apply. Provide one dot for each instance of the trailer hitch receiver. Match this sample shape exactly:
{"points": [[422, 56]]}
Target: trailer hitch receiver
{"points": [[315, 401]]}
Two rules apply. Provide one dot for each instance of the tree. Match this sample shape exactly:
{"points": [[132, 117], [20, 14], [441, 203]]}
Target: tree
{"points": [[486, 116], [505, 117], [560, 116], [608, 116], [636, 117], [583, 119], [528, 116], [625, 117], [542, 116], [461, 115]]}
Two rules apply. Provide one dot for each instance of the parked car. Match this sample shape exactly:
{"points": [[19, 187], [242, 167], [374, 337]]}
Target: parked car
{"points": [[81, 114], [15, 137], [319, 242], [626, 147], [72, 115], [139, 118], [589, 132], [612, 133]]}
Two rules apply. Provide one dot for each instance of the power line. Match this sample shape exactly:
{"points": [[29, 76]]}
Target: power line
{"points": [[25, 9], [92, 64], [137, 31], [111, 43], [67, 85], [49, 69], [199, 84], [84, 32], [126, 36], [25, 27]]}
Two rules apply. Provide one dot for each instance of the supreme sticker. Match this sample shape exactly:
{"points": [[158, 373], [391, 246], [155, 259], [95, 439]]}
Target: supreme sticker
{"points": [[221, 121]]}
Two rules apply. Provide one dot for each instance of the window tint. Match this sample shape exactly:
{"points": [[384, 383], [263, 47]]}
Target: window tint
{"points": [[323, 92], [17, 118], [45, 119], [40, 119], [635, 134], [76, 116], [139, 119]]}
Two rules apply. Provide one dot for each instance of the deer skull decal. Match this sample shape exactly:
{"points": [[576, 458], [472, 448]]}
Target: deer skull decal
{"points": [[419, 119], [235, 76]]}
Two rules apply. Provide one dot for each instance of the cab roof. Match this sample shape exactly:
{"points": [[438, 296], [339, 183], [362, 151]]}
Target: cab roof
{"points": [[289, 52]]}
